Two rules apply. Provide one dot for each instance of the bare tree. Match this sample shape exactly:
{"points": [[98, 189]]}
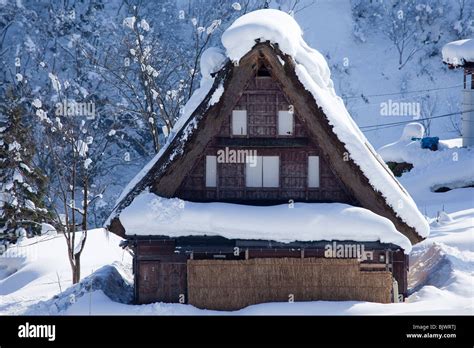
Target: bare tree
{"points": [[428, 108], [454, 122], [156, 77], [462, 7], [405, 23], [402, 32], [72, 159]]}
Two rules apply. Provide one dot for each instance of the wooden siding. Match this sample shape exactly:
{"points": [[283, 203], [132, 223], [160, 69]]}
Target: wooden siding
{"points": [[400, 271], [161, 280], [160, 274], [263, 98], [161, 269]]}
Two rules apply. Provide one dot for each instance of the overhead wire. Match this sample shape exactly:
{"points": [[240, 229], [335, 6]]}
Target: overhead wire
{"points": [[396, 124]]}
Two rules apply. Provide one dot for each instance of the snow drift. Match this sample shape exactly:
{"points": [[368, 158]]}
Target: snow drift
{"points": [[37, 269], [109, 279]]}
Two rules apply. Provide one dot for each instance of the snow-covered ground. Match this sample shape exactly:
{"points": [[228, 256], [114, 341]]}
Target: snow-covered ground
{"points": [[37, 269], [38, 281]]}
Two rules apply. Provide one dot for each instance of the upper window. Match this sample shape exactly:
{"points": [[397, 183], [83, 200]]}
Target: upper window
{"points": [[239, 122], [264, 172], [263, 71], [285, 123]]}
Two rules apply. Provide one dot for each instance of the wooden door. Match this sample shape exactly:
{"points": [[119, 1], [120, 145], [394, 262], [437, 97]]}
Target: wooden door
{"points": [[161, 281]]}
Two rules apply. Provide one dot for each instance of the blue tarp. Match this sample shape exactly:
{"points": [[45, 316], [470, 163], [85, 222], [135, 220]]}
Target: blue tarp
{"points": [[430, 143]]}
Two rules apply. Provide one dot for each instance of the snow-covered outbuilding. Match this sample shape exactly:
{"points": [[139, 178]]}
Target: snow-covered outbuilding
{"points": [[266, 189], [460, 54]]}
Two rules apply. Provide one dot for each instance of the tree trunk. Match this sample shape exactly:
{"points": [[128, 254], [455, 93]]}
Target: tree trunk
{"points": [[76, 269]]}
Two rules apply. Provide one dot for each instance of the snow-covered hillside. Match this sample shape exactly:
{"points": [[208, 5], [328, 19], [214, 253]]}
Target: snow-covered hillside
{"points": [[366, 74]]}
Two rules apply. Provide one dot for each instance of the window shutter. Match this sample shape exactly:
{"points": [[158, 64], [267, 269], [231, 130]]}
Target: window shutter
{"points": [[253, 175], [313, 171], [239, 122], [285, 123], [271, 171], [211, 171]]}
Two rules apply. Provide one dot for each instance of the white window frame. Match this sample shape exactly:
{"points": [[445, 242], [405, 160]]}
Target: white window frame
{"points": [[271, 171], [253, 174], [211, 171], [258, 176], [314, 172], [286, 123], [239, 122]]}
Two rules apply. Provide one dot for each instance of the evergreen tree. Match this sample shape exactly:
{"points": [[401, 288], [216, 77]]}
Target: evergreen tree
{"points": [[22, 186]]}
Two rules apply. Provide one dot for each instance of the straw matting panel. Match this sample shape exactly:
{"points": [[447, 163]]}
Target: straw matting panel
{"points": [[234, 284]]}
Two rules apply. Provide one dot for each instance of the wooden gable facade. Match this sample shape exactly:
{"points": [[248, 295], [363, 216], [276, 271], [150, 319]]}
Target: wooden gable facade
{"points": [[263, 104]]}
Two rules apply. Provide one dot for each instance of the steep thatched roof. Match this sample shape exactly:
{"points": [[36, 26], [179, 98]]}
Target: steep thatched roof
{"points": [[168, 171]]}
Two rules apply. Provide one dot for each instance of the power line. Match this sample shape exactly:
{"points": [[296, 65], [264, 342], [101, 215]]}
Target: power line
{"points": [[414, 120], [36, 241], [395, 124], [369, 104], [399, 93]]}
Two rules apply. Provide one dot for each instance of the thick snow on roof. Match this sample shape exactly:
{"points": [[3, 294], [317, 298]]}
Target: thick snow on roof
{"points": [[277, 27], [312, 70], [150, 214], [459, 52]]}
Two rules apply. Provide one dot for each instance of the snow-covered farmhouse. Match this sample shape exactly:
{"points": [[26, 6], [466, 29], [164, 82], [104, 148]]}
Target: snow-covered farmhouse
{"points": [[267, 190]]}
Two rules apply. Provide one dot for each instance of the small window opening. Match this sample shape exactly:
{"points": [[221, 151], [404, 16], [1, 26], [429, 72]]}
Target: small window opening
{"points": [[263, 71]]}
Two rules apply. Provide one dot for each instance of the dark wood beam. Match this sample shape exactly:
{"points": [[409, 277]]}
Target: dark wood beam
{"points": [[263, 142]]}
